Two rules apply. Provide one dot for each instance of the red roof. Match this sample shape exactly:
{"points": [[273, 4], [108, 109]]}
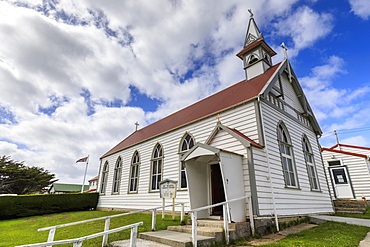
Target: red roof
{"points": [[94, 178], [236, 94], [246, 137], [343, 152], [254, 45], [349, 146]]}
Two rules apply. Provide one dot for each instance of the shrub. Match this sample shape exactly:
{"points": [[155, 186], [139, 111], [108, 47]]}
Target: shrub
{"points": [[21, 206]]}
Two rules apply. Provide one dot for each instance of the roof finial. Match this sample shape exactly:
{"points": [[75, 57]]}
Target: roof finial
{"points": [[218, 118], [285, 49], [286, 58], [250, 12], [137, 125]]}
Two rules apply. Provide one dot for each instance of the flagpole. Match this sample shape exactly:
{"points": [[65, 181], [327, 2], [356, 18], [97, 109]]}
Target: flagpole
{"points": [[83, 183]]}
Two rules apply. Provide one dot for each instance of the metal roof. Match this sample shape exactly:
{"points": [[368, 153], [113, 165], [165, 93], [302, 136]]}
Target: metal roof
{"points": [[234, 95], [68, 187]]}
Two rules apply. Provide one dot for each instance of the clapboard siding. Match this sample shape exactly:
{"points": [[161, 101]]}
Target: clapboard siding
{"points": [[357, 167], [242, 118], [288, 200]]}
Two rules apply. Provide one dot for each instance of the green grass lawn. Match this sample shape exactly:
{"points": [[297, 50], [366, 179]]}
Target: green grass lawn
{"points": [[24, 230], [325, 235]]}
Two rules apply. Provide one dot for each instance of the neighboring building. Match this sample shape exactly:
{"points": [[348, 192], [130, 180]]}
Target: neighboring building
{"points": [[58, 188], [93, 184], [255, 138], [348, 171]]}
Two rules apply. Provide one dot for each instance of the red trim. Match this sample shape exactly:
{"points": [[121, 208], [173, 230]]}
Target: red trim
{"points": [[246, 137], [343, 152]]}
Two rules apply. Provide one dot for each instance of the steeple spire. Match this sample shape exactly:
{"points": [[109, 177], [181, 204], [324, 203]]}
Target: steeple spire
{"points": [[253, 33], [256, 54]]}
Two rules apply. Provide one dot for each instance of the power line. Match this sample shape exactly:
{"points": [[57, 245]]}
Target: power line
{"points": [[346, 131]]}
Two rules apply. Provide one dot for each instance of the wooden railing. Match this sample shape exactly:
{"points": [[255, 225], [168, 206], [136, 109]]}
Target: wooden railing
{"points": [[52, 229], [226, 212], [77, 242]]}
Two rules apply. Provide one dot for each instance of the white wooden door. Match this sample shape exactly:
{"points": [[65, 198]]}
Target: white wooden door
{"points": [[341, 183]]}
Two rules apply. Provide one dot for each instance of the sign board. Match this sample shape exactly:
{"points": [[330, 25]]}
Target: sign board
{"points": [[168, 189]]}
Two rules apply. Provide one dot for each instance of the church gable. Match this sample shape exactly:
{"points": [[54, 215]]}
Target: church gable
{"points": [[230, 139], [285, 93]]}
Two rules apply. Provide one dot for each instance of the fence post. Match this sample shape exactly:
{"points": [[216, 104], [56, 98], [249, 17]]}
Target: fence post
{"points": [[106, 228], [154, 219], [78, 243], [194, 228], [182, 213], [251, 219], [51, 235], [226, 222], [133, 236]]}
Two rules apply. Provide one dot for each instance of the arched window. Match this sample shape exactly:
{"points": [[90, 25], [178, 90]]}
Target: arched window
{"points": [[117, 176], [104, 178], [286, 154], [156, 167], [186, 143], [134, 173], [311, 169]]}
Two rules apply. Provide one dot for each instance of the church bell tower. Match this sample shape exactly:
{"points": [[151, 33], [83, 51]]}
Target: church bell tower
{"points": [[256, 54]]}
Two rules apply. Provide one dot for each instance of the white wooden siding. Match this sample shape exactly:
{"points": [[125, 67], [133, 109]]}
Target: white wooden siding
{"points": [[289, 201], [358, 171], [242, 118]]}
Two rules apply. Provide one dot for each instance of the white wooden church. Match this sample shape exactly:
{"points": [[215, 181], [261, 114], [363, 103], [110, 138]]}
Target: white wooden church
{"points": [[258, 138]]}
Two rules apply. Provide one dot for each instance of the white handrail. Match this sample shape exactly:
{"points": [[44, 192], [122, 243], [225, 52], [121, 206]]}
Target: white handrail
{"points": [[225, 204], [107, 221], [77, 242]]}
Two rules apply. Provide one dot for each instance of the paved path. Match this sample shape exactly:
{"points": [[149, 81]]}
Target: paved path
{"points": [[354, 221]]}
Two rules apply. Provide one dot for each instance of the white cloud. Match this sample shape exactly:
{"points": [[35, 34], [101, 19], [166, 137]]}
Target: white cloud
{"points": [[360, 8], [64, 69], [305, 27]]}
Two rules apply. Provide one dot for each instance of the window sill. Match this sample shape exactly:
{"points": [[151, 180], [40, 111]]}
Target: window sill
{"points": [[292, 188]]}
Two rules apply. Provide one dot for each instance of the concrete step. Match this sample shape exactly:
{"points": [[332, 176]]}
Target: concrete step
{"points": [[176, 239], [350, 204], [343, 211], [216, 233], [212, 223]]}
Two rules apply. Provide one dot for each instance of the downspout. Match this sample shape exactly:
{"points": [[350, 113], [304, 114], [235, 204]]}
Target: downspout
{"points": [[268, 164]]}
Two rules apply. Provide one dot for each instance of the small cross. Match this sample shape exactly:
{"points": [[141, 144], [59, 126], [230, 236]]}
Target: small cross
{"points": [[218, 118], [137, 125], [250, 12], [285, 49]]}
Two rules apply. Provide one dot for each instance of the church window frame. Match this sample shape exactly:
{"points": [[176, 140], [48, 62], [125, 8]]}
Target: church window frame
{"points": [[287, 158], [186, 143], [133, 185], [156, 168], [117, 176], [310, 164], [104, 178]]}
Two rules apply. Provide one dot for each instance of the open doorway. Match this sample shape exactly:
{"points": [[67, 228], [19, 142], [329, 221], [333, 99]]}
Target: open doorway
{"points": [[217, 191]]}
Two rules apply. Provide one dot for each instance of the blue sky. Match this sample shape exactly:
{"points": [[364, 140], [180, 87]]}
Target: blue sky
{"points": [[75, 76]]}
